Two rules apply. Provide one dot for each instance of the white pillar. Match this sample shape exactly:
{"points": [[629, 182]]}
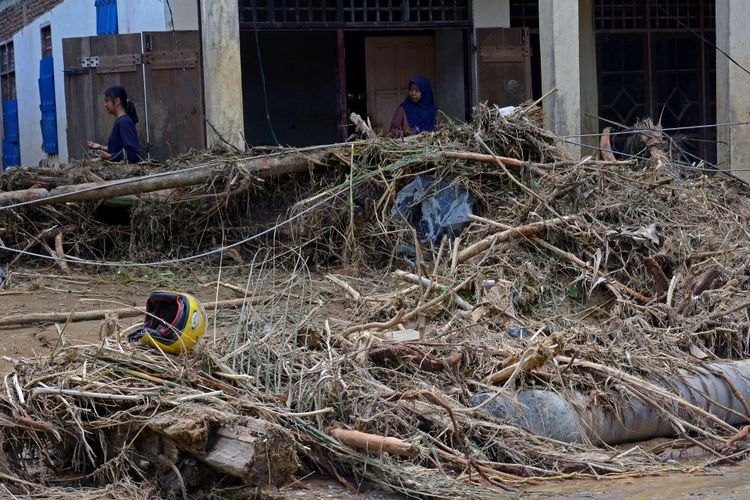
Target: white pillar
{"points": [[733, 85], [222, 71], [568, 53]]}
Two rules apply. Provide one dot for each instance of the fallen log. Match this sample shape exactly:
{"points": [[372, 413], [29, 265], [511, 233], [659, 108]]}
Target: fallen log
{"points": [[715, 395], [374, 442], [254, 450], [125, 312], [264, 167]]}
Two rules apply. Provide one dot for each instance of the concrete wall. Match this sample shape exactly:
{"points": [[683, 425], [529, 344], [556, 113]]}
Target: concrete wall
{"points": [[72, 18], [568, 54], [733, 85], [222, 78], [449, 73], [491, 13], [153, 15]]}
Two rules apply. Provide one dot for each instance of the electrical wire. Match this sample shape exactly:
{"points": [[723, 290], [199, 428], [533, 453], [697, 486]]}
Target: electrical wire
{"points": [[667, 129], [682, 165]]}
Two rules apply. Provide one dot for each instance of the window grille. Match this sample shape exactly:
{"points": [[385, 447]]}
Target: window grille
{"points": [[353, 13], [524, 14], [662, 15]]}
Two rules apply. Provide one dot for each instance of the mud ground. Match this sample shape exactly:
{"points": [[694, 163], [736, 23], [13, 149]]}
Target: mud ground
{"points": [[45, 290]]}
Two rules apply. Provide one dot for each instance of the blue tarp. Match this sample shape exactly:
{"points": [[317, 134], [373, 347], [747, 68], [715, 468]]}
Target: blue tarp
{"points": [[47, 105], [106, 17], [11, 147]]}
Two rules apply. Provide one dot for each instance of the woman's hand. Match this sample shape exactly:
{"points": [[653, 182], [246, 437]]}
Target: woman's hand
{"points": [[104, 155], [94, 145]]}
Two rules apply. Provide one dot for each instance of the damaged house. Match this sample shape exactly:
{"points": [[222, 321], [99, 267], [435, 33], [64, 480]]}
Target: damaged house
{"points": [[291, 71]]}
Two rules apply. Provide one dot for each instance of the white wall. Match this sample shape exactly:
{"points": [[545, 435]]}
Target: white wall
{"points": [[70, 19], [491, 13]]}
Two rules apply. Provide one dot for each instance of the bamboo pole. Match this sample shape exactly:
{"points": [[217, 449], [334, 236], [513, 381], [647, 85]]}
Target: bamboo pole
{"points": [[263, 167], [521, 231], [125, 312]]}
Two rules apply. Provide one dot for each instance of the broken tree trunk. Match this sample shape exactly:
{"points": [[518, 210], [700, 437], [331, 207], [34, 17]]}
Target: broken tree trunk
{"points": [[718, 392], [256, 451], [259, 166]]}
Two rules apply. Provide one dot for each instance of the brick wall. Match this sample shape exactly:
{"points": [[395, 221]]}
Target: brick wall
{"points": [[16, 17]]}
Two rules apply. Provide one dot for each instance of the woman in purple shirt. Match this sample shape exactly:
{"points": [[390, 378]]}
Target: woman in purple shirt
{"points": [[123, 140]]}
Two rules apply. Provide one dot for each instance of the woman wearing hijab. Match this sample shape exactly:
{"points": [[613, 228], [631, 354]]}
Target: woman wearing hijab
{"points": [[123, 140], [418, 111]]}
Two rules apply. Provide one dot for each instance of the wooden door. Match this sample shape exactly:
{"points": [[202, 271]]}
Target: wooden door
{"points": [[390, 63], [173, 83], [92, 64], [503, 66], [161, 74]]}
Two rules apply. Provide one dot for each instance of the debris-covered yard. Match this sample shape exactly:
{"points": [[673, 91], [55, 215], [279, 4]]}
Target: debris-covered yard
{"points": [[462, 314]]}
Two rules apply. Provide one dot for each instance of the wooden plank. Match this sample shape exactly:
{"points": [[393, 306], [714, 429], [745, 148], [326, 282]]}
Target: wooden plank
{"points": [[79, 104], [503, 65], [173, 83]]}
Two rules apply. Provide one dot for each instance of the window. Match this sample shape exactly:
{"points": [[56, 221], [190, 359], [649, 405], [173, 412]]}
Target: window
{"points": [[47, 41], [7, 72], [11, 147]]}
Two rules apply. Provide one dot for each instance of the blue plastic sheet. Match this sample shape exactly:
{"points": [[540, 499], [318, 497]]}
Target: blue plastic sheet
{"points": [[435, 207]]}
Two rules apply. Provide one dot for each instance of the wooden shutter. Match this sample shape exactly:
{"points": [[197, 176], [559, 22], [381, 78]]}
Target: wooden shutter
{"points": [[47, 105], [503, 65]]}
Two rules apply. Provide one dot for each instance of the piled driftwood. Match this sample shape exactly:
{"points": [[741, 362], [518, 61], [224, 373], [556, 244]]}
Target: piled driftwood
{"points": [[604, 282]]}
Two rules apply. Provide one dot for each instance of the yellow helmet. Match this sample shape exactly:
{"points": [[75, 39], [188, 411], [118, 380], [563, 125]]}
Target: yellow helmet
{"points": [[174, 322]]}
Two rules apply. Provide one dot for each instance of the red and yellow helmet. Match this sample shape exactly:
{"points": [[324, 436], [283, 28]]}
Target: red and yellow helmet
{"points": [[174, 322]]}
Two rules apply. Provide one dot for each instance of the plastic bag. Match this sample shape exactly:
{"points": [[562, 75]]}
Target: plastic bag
{"points": [[434, 207]]}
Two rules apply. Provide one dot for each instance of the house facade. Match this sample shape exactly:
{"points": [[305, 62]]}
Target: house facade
{"points": [[32, 72], [306, 64], [291, 71]]}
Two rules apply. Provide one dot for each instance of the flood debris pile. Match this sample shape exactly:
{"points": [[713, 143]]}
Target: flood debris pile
{"points": [[369, 350]]}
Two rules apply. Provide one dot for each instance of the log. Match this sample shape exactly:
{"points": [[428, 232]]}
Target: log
{"points": [[576, 417], [125, 312], [259, 166], [374, 442], [254, 450]]}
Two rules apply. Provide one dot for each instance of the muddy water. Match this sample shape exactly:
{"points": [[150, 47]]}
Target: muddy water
{"points": [[726, 483]]}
